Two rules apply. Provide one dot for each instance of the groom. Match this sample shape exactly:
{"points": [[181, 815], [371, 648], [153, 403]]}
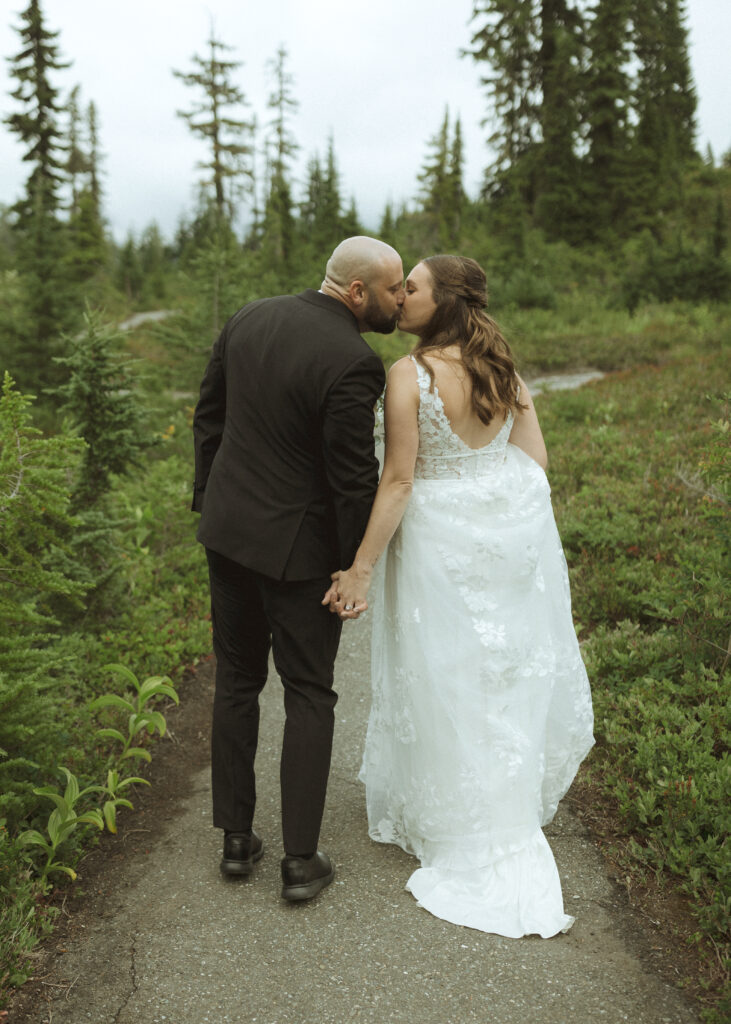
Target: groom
{"points": [[285, 478]]}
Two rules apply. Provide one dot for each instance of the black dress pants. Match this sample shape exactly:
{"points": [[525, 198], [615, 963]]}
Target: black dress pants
{"points": [[252, 613]]}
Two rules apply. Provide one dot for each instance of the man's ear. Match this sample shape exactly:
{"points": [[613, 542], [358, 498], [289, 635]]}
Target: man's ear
{"points": [[358, 293]]}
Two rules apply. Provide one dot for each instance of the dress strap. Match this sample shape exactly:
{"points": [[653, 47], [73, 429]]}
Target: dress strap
{"points": [[422, 376]]}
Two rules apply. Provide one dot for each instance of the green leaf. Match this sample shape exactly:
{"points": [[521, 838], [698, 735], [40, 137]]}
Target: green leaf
{"points": [[137, 752], [91, 818], [110, 816], [72, 787], [111, 700], [123, 671], [155, 685], [54, 795], [111, 734], [33, 838], [157, 720], [131, 780], [61, 867]]}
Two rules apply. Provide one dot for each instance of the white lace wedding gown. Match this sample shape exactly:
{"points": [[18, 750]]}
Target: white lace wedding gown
{"points": [[481, 707]]}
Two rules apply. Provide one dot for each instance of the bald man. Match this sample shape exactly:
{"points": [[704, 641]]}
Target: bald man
{"points": [[285, 478]]}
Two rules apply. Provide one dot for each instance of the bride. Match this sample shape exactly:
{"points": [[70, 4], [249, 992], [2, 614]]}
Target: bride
{"points": [[481, 707]]}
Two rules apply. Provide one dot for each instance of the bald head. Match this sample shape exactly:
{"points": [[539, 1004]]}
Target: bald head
{"points": [[359, 258], [367, 276]]}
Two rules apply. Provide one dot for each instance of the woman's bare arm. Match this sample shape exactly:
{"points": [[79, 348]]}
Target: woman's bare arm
{"points": [[526, 433], [394, 490]]}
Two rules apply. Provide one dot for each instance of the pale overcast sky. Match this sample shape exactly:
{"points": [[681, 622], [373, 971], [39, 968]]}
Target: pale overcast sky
{"points": [[377, 76]]}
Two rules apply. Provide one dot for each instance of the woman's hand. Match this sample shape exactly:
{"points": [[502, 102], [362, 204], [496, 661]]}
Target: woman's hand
{"points": [[347, 595]]}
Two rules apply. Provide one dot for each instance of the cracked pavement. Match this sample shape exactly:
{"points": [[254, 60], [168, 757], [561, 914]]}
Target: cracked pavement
{"points": [[167, 940]]}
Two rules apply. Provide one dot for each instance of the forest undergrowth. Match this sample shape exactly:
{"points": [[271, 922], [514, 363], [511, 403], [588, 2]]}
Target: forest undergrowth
{"points": [[639, 475]]}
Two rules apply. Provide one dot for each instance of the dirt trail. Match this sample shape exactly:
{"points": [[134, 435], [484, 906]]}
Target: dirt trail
{"points": [[160, 936]]}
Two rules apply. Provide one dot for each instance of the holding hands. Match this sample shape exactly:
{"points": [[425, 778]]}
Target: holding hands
{"points": [[347, 594]]}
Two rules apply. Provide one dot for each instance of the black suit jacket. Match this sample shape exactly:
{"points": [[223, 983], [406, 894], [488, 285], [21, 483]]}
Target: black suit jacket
{"points": [[285, 465]]}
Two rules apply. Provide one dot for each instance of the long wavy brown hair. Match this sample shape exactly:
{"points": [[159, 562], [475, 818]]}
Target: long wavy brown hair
{"points": [[459, 289]]}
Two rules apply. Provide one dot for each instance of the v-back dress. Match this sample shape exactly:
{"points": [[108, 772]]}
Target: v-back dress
{"points": [[481, 708]]}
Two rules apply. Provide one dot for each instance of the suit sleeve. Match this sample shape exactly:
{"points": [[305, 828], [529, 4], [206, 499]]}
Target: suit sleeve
{"points": [[209, 420], [349, 451]]}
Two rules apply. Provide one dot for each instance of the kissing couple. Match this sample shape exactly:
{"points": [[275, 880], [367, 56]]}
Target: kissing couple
{"points": [[481, 709]]}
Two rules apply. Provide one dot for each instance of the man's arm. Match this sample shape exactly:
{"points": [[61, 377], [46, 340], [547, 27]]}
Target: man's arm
{"points": [[348, 449], [208, 421]]}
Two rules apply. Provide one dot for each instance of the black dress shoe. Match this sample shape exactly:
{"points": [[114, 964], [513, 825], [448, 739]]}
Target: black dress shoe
{"points": [[304, 877], [240, 853]]}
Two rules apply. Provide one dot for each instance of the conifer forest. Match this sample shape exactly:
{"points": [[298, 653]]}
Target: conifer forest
{"points": [[604, 233]]}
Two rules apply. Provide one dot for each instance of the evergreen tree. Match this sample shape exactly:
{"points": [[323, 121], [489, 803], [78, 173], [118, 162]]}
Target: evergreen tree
{"points": [[442, 191], [87, 248], [556, 168], [332, 202], [39, 230], [321, 212], [719, 232], [664, 103], [229, 138], [455, 187], [278, 226], [76, 161], [350, 224], [434, 178], [506, 44], [387, 228], [101, 400], [607, 105], [93, 156], [128, 276]]}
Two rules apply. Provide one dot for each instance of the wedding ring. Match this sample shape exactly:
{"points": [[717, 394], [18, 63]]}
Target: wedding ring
{"points": [[348, 607]]}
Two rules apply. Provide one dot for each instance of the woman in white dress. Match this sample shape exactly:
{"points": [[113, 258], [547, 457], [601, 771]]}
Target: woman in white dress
{"points": [[481, 708]]}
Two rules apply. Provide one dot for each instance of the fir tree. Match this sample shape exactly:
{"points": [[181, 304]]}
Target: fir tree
{"points": [[278, 226], [664, 103], [128, 276], [229, 137], [102, 402], [607, 105], [39, 230], [506, 44], [557, 184], [387, 228], [321, 212], [76, 161]]}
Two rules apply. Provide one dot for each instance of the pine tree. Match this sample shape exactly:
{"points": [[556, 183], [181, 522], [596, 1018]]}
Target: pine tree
{"points": [[442, 191], [607, 105], [506, 44], [434, 175], [229, 138], [387, 228], [455, 187], [350, 224], [102, 402], [128, 276], [93, 156], [278, 226], [321, 212], [38, 227], [87, 247], [664, 102], [76, 161], [556, 168]]}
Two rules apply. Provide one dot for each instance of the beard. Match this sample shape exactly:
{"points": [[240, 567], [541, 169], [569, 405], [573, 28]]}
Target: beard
{"points": [[375, 319]]}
